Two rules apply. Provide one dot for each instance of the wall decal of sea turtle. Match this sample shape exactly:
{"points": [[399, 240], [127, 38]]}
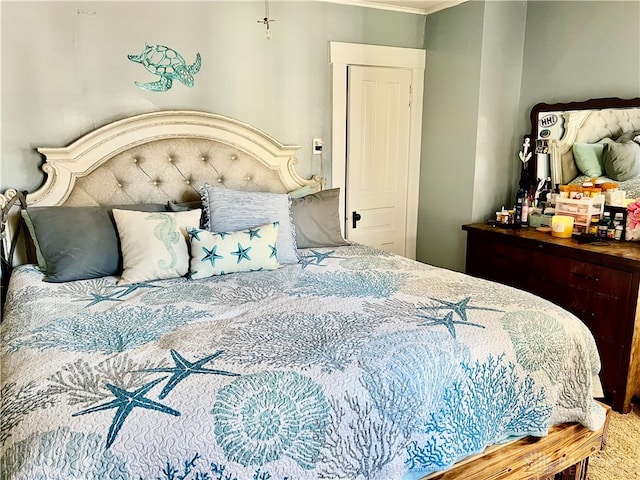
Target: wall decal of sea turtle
{"points": [[168, 64]]}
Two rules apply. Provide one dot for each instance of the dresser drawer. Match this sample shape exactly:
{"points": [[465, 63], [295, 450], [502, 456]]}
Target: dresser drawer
{"points": [[498, 262], [604, 315], [606, 281]]}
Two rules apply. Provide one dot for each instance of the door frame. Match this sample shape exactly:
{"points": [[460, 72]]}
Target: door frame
{"points": [[341, 55]]}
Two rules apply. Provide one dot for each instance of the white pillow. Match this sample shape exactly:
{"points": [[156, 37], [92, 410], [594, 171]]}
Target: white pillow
{"points": [[154, 245], [228, 252], [232, 210]]}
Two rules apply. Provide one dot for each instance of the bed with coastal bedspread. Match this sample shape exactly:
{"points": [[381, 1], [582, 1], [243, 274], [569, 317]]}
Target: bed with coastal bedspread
{"points": [[237, 335]]}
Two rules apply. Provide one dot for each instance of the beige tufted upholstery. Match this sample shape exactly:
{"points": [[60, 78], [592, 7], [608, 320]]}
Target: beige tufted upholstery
{"points": [[166, 155], [171, 169], [588, 126], [158, 157]]}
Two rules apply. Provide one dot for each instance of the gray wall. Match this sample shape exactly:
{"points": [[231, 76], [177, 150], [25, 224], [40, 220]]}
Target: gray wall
{"points": [[572, 50], [65, 70], [472, 89]]}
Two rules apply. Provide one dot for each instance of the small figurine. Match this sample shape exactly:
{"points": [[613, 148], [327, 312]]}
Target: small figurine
{"points": [[525, 155]]}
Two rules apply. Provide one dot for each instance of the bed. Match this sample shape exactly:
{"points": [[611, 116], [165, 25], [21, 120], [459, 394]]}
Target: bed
{"points": [[341, 362], [571, 139]]}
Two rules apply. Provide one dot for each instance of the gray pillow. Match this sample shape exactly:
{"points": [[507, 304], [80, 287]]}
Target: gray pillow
{"points": [[316, 219], [621, 160], [77, 243], [185, 207], [232, 210]]}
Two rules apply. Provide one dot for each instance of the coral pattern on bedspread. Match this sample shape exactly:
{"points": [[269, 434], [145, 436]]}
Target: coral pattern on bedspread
{"points": [[352, 364]]}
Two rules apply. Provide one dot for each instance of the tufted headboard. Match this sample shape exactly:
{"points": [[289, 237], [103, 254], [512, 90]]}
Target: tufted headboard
{"points": [[163, 156], [587, 126]]}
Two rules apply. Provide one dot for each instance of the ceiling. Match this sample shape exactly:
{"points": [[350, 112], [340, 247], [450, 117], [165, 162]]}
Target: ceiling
{"points": [[423, 7]]}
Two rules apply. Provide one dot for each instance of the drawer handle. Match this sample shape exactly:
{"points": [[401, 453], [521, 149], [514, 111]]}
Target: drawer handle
{"points": [[586, 276]]}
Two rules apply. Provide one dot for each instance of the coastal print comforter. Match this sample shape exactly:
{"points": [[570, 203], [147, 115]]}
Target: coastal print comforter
{"points": [[353, 364]]}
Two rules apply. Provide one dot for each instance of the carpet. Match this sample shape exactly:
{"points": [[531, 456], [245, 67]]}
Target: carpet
{"points": [[620, 460]]}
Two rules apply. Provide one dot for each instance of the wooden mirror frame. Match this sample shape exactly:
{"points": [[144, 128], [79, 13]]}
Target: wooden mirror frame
{"points": [[592, 104]]}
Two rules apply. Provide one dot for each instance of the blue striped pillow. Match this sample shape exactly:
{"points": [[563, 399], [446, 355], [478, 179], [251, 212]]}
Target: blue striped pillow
{"points": [[232, 210]]}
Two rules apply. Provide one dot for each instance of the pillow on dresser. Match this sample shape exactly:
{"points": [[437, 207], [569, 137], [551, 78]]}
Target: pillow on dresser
{"points": [[77, 243], [230, 252], [316, 219], [229, 210], [154, 244]]}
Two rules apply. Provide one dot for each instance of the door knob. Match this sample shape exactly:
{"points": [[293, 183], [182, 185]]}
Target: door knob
{"points": [[355, 217]]}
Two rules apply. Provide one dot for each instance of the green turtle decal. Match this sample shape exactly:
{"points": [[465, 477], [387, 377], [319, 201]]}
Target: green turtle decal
{"points": [[168, 64]]}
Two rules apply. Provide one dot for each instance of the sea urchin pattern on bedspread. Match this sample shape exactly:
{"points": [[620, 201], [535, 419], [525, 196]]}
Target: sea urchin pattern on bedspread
{"points": [[352, 364]]}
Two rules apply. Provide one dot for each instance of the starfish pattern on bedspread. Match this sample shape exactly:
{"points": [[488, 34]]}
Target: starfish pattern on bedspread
{"points": [[316, 258], [460, 308], [125, 402], [135, 286], [95, 298], [184, 368], [448, 322]]}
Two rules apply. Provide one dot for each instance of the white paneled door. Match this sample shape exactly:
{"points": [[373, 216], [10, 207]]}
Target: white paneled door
{"points": [[378, 133]]}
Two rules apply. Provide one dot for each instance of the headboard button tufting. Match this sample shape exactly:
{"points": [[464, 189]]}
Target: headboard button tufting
{"points": [[170, 159], [248, 178], [135, 159], [234, 157], [119, 185], [220, 179], [188, 182], [203, 158], [155, 183]]}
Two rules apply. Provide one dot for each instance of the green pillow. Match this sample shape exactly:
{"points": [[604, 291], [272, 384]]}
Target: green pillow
{"points": [[588, 157], [621, 160]]}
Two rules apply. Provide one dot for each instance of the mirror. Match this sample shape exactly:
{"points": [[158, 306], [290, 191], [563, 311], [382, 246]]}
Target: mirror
{"points": [[548, 123]]}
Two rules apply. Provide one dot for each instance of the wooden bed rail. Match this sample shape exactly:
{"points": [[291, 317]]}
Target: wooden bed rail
{"points": [[562, 455]]}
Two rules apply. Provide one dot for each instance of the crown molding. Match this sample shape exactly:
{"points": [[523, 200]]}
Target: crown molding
{"points": [[419, 7]]}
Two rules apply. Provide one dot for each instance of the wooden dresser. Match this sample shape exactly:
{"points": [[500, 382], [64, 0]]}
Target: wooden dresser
{"points": [[597, 282]]}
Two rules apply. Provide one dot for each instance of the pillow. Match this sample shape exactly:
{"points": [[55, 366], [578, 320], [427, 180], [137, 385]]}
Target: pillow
{"points": [[76, 243], [232, 210], [300, 192], [588, 157], [42, 264], [228, 252], [316, 219], [621, 160], [154, 245], [185, 207]]}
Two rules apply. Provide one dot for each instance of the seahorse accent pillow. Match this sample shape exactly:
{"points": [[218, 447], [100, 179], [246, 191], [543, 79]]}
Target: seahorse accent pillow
{"points": [[154, 245], [246, 250]]}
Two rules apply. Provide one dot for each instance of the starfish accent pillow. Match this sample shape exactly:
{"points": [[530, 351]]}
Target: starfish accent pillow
{"points": [[246, 250], [229, 210], [154, 245]]}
